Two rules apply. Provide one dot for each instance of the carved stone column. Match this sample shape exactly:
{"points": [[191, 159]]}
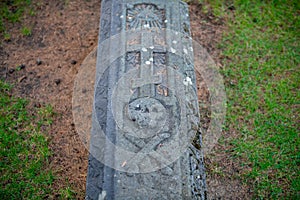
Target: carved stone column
{"points": [[146, 118]]}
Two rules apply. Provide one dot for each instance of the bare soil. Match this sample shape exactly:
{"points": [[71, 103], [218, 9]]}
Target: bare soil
{"points": [[63, 34]]}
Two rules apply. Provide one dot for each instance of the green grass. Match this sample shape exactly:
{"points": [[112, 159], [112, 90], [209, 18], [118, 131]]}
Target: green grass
{"points": [[24, 152], [262, 73], [24, 149], [26, 31], [12, 11]]}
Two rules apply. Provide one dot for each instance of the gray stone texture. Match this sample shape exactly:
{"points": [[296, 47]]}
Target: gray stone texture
{"points": [[149, 105]]}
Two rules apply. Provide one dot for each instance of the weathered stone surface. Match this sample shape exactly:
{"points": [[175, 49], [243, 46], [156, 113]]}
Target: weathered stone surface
{"points": [[145, 99]]}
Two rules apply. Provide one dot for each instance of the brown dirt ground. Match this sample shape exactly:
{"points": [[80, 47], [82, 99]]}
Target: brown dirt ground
{"points": [[63, 34]]}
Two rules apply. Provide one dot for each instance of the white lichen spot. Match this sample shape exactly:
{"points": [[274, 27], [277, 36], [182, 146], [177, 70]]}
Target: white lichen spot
{"points": [[102, 195], [144, 49], [151, 59], [176, 33], [185, 51], [187, 15], [119, 181], [172, 50], [191, 49], [147, 62], [152, 47], [130, 18], [187, 81], [146, 25], [174, 42], [121, 16], [166, 21]]}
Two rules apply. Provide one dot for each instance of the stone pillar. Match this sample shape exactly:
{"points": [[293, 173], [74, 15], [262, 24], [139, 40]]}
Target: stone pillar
{"points": [[145, 142]]}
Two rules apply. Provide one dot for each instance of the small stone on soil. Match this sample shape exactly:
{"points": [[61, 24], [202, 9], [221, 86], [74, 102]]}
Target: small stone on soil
{"points": [[11, 71], [22, 66], [231, 7], [73, 62], [37, 105], [57, 81], [38, 62]]}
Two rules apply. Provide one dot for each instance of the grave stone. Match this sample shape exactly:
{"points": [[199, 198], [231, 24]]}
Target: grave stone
{"points": [[145, 141]]}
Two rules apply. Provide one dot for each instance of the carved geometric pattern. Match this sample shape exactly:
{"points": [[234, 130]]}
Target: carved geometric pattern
{"points": [[159, 59], [133, 60], [145, 16], [160, 68], [185, 178]]}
